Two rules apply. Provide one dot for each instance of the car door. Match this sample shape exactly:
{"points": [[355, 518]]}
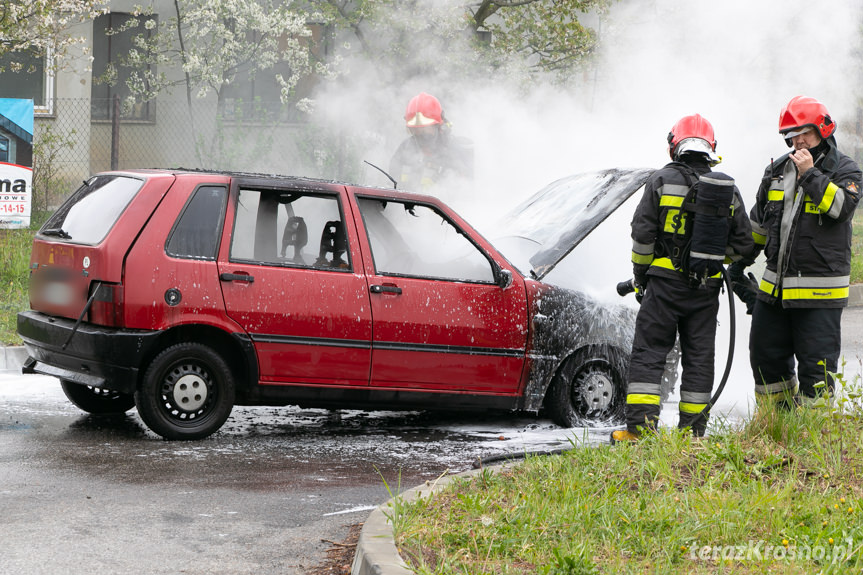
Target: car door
{"points": [[287, 274], [440, 321]]}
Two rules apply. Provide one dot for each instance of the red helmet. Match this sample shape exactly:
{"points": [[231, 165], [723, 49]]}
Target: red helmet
{"points": [[692, 134], [803, 111], [423, 110]]}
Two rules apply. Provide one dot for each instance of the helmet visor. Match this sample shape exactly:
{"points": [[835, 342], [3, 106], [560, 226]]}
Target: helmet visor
{"points": [[799, 131], [420, 120], [696, 145]]}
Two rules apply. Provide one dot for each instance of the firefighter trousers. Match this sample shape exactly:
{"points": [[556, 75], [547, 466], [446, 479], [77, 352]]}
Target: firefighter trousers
{"points": [[779, 335], [670, 307]]}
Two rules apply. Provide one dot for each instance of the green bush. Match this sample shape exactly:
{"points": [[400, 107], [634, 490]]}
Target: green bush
{"points": [[15, 248], [857, 249]]}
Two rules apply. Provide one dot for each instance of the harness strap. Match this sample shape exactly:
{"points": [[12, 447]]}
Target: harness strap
{"points": [[681, 241], [723, 211]]}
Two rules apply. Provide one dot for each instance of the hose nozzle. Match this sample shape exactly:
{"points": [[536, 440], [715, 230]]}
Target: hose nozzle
{"points": [[625, 288]]}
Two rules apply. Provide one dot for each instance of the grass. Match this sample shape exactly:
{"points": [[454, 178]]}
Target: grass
{"points": [[14, 276], [780, 494], [857, 248]]}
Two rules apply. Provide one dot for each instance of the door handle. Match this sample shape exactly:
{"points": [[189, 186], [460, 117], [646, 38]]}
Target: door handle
{"points": [[385, 289], [226, 277]]}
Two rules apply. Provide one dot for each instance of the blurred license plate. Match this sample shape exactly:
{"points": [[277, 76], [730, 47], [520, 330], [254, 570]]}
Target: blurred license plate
{"points": [[57, 293]]}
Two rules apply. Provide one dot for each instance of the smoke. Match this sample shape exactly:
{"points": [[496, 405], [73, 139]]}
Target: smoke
{"points": [[735, 62]]}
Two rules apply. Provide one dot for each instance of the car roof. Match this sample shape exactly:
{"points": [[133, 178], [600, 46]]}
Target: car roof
{"points": [[259, 178]]}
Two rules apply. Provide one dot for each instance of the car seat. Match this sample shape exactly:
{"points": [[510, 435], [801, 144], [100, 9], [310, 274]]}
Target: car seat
{"points": [[333, 241], [296, 234]]}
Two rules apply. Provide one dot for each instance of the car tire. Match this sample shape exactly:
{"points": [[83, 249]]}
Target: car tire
{"points": [[589, 389], [97, 400], [187, 392]]}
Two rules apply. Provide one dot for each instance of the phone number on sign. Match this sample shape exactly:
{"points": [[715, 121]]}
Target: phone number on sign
{"points": [[12, 208]]}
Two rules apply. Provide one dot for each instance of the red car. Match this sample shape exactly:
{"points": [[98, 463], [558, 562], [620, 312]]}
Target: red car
{"points": [[184, 293]]}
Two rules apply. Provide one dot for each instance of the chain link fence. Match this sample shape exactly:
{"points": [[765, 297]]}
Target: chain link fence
{"points": [[82, 138]]}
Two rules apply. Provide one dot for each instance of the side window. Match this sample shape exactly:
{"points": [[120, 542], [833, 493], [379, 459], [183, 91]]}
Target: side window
{"points": [[290, 229], [417, 240], [197, 231]]}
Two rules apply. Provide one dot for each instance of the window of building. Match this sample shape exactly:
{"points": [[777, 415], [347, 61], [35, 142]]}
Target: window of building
{"points": [[4, 149], [111, 46], [257, 97], [26, 76]]}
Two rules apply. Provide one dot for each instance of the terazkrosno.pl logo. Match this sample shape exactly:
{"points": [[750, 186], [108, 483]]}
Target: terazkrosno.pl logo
{"points": [[830, 552]]}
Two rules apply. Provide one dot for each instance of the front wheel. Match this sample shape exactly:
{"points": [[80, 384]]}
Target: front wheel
{"points": [[187, 392], [589, 389], [97, 400]]}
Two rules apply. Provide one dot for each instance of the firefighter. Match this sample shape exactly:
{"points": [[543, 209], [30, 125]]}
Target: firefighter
{"points": [[802, 221], [431, 154], [689, 222]]}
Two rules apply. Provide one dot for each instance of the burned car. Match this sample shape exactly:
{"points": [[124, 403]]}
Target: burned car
{"points": [[183, 293]]}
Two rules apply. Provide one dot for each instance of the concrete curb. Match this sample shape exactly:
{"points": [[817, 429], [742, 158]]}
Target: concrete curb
{"points": [[12, 358], [377, 553], [855, 296]]}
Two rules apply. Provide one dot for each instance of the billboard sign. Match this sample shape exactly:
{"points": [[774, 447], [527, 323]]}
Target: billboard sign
{"points": [[16, 162]]}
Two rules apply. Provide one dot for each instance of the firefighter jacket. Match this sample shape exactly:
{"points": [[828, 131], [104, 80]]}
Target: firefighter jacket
{"points": [[659, 225], [804, 228], [416, 169]]}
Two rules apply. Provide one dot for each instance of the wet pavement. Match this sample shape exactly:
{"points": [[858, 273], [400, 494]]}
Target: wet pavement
{"points": [[83, 494]]}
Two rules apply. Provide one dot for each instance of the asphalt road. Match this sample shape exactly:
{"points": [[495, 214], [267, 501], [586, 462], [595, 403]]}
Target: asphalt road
{"points": [[81, 494]]}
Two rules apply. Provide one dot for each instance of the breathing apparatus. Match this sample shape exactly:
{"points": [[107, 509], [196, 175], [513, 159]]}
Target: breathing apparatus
{"points": [[703, 253]]}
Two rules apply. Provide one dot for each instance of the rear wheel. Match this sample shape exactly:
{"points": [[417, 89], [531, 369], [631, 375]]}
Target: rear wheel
{"points": [[187, 392], [589, 389], [97, 400]]}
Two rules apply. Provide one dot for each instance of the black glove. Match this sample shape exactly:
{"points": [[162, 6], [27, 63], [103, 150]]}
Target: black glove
{"points": [[745, 288], [735, 271], [639, 281]]}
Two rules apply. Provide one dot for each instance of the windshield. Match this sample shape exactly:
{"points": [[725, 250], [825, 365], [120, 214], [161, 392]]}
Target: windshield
{"points": [[90, 213]]}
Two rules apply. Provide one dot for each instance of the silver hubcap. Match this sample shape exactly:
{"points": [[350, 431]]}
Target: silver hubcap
{"points": [[597, 391], [190, 392]]}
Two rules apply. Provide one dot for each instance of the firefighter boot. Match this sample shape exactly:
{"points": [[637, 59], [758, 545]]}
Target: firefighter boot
{"points": [[623, 435]]}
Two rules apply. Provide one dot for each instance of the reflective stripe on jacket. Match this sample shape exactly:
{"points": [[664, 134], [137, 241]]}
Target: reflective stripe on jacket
{"points": [[816, 255]]}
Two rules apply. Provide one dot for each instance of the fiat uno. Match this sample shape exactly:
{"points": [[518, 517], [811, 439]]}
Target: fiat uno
{"points": [[184, 293]]}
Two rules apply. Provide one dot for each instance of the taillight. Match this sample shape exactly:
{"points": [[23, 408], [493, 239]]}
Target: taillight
{"points": [[107, 306]]}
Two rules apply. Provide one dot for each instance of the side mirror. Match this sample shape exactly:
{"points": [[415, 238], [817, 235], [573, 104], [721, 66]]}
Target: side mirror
{"points": [[504, 278]]}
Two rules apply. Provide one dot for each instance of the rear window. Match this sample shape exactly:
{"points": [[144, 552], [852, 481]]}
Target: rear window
{"points": [[90, 213]]}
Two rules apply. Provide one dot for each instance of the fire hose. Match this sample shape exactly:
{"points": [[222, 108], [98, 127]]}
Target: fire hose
{"points": [[627, 287]]}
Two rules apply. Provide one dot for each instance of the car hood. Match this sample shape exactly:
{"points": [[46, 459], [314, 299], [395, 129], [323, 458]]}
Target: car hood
{"points": [[552, 222]]}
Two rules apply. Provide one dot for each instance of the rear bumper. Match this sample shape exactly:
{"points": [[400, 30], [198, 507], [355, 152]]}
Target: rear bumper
{"points": [[90, 355]]}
